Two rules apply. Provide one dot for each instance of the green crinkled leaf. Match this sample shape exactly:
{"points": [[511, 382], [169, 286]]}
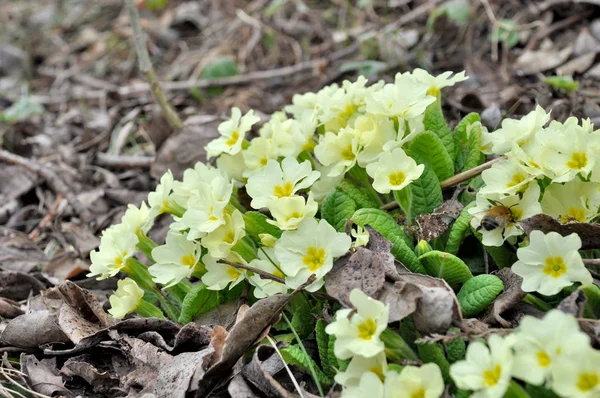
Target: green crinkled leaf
{"points": [[459, 230], [335, 362], [323, 347], [446, 266], [385, 224], [395, 367], [428, 148], [293, 355], [199, 299], [357, 194], [473, 156], [592, 307], [433, 353], [434, 121], [539, 392], [463, 393], [337, 208], [426, 193], [462, 127], [256, 223], [456, 348], [302, 319], [478, 293]]}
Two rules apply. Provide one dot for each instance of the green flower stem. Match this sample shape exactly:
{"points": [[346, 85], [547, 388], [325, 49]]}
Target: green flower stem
{"points": [[245, 248], [147, 310], [169, 309], [235, 202], [145, 244], [175, 209], [537, 302], [515, 391], [395, 346], [360, 175], [139, 273], [305, 155], [179, 291]]}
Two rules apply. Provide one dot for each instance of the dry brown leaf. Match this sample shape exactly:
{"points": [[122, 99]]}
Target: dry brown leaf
{"points": [[512, 295], [82, 366], [15, 181], [18, 252], [531, 62], [589, 233], [42, 376], [223, 315], [18, 285], [239, 388], [577, 65], [10, 309], [81, 237], [434, 225], [260, 371], [32, 330], [402, 299]]}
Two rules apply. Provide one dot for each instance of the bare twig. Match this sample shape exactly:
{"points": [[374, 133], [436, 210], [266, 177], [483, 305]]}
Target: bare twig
{"points": [[455, 180], [126, 162], [48, 217], [148, 71], [257, 271]]}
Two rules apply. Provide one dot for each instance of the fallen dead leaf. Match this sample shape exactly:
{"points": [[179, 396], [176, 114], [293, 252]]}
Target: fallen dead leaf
{"points": [[589, 233], [42, 376], [81, 366], [531, 62], [19, 285], [10, 309], [18, 252], [32, 330], [512, 295], [239, 388], [435, 224], [259, 372]]}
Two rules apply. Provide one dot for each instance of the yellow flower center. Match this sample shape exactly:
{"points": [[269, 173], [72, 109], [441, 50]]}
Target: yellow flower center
{"points": [[263, 161], [517, 213], [573, 214], [587, 381], [578, 161], [534, 164], [295, 214], [347, 112], [543, 359], [235, 136], [433, 91], [347, 153], [367, 329], [283, 190], [188, 260], [119, 261], [314, 258], [491, 376], [165, 206], [397, 178], [212, 217], [310, 145], [233, 273], [378, 370], [555, 266], [420, 393], [229, 237], [278, 273], [516, 180]]}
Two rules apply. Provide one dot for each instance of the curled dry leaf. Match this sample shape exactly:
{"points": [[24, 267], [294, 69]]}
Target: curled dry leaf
{"points": [[33, 329], [261, 370], [19, 285], [188, 338], [42, 376], [531, 62], [10, 309], [589, 233], [223, 315], [573, 304], [435, 224], [82, 366], [244, 333], [512, 295], [239, 388]]}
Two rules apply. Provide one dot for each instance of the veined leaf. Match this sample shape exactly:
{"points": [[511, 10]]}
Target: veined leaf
{"points": [[592, 307], [337, 208], [293, 355], [357, 194], [302, 320], [323, 347], [429, 149], [459, 230], [456, 348], [385, 224], [199, 299], [433, 353], [434, 122], [478, 293], [446, 266], [474, 157], [426, 193], [256, 223], [462, 127]]}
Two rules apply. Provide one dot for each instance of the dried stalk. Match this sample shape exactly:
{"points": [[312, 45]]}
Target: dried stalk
{"points": [[148, 71]]}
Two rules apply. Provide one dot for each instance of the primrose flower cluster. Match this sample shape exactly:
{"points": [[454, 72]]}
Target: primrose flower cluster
{"points": [[552, 170]]}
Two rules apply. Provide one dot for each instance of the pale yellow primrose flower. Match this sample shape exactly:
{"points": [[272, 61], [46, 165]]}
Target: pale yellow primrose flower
{"points": [[520, 208], [540, 344], [160, 200], [435, 84], [518, 131], [232, 165], [360, 235], [291, 136], [370, 385], [278, 181], [577, 374], [422, 382], [550, 263], [290, 211], [139, 220], [258, 154], [219, 275], [505, 177], [403, 99], [267, 240], [309, 250], [357, 332], [393, 171], [264, 262], [358, 366], [220, 241], [373, 133], [485, 370], [117, 244], [175, 260], [232, 133], [321, 188], [125, 299], [574, 201], [338, 151]]}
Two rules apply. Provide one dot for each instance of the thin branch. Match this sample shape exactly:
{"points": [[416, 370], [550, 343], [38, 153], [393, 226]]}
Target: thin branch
{"points": [[148, 71], [126, 162], [455, 180], [257, 271], [48, 217]]}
